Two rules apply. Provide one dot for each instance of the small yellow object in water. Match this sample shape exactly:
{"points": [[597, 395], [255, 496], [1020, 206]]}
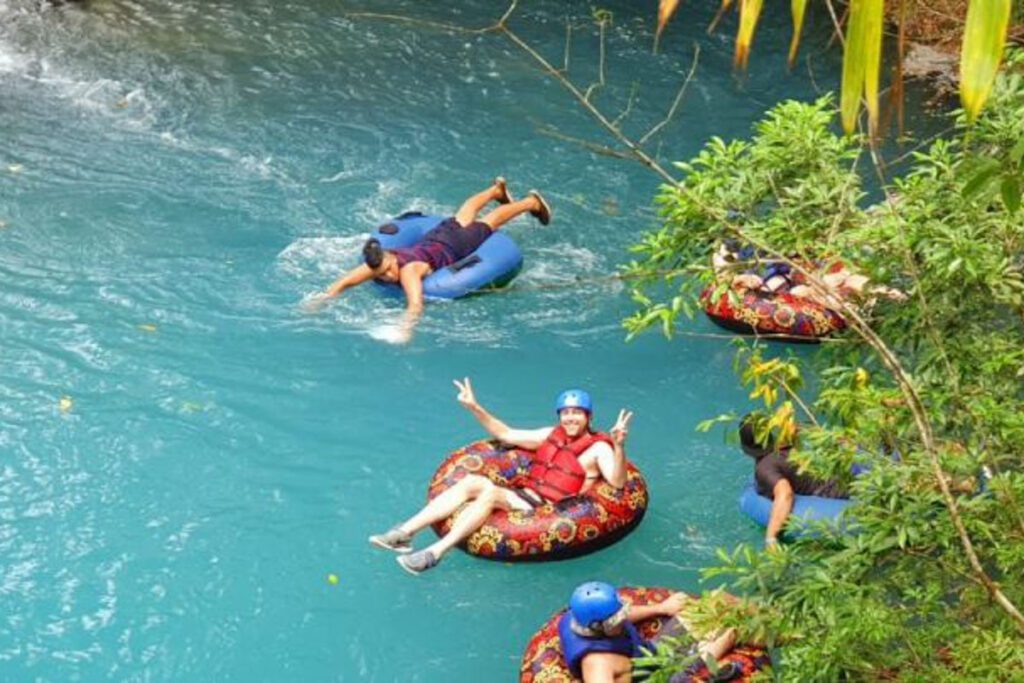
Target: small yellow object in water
{"points": [[3, 224], [147, 327], [65, 404], [332, 579], [15, 168]]}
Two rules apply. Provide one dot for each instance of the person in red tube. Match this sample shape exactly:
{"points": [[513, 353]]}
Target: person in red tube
{"points": [[569, 458]]}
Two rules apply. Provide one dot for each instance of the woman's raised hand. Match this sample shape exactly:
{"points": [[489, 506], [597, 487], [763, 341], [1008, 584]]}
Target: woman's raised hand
{"points": [[465, 397], [620, 431]]}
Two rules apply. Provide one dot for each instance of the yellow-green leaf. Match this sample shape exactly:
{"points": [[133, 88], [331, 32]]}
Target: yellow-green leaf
{"points": [[862, 58], [799, 8], [666, 8], [750, 12], [984, 39], [874, 18]]}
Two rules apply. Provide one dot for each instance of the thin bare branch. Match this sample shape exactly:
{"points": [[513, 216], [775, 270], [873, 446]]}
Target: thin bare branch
{"points": [[629, 105], [678, 99], [568, 46], [837, 24], [552, 132], [800, 402], [508, 13], [502, 27], [602, 26], [634, 149], [398, 18], [722, 9]]}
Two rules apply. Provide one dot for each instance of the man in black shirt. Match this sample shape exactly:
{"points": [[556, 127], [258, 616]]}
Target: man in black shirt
{"points": [[779, 480]]}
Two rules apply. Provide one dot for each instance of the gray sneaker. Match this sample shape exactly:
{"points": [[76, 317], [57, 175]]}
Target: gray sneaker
{"points": [[396, 540], [418, 562]]}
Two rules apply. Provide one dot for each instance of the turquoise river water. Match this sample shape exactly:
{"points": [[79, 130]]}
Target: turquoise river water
{"points": [[186, 456]]}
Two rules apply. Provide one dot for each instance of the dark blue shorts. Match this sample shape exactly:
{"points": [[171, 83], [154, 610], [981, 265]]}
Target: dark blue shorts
{"points": [[445, 244]]}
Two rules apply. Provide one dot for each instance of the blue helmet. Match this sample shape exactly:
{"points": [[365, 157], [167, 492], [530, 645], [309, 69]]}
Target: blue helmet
{"points": [[593, 602], [574, 398]]}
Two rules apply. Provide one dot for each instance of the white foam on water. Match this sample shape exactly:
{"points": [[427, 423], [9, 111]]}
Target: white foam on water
{"points": [[11, 61], [313, 259]]}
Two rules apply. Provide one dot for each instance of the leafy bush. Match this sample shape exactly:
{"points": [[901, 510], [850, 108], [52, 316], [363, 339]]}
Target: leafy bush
{"points": [[930, 586]]}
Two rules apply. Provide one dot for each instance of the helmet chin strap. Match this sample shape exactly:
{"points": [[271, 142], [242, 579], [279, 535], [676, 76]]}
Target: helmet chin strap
{"points": [[600, 629]]}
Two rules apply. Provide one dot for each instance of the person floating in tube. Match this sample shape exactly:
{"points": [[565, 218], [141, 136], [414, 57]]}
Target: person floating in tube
{"points": [[452, 240], [569, 459], [778, 480], [599, 638]]}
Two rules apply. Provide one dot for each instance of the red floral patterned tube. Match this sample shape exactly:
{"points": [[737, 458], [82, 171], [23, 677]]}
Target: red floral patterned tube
{"points": [[575, 526], [543, 661], [772, 314]]}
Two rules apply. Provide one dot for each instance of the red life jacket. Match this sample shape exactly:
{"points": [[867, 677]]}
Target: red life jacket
{"points": [[555, 470]]}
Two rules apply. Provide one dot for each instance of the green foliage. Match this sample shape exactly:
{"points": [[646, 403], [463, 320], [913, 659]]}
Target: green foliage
{"points": [[897, 598]]}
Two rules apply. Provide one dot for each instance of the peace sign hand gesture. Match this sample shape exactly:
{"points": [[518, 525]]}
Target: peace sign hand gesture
{"points": [[466, 396], [621, 428]]}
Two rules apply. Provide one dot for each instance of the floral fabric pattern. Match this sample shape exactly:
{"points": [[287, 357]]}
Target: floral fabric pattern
{"points": [[543, 661], [772, 313], [572, 527]]}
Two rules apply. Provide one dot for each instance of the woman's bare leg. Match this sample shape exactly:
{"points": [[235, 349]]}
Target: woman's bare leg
{"points": [[474, 516], [467, 213], [719, 647], [468, 488], [534, 204]]}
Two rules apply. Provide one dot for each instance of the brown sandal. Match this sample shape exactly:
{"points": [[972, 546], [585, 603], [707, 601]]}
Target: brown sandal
{"points": [[506, 196], [543, 214]]}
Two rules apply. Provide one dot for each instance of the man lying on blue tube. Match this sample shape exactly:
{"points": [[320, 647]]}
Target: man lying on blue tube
{"points": [[778, 480], [454, 239]]}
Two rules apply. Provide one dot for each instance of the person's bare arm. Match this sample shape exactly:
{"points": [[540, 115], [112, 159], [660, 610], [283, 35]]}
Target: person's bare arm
{"points": [[530, 439], [411, 278], [782, 505], [669, 607], [356, 276], [611, 461]]}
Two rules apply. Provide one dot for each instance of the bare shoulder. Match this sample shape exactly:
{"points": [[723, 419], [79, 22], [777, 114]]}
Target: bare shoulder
{"points": [[601, 665], [598, 449]]}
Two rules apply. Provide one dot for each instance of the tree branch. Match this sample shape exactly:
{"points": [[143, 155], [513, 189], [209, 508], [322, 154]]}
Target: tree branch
{"points": [[678, 99]]}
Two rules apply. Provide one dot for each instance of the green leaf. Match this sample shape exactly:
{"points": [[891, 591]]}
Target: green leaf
{"points": [[861, 62], [799, 8], [979, 180], [750, 13], [1010, 189], [982, 50], [1017, 153]]}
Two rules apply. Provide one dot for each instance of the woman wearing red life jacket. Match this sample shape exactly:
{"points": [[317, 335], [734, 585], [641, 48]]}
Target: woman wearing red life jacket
{"points": [[569, 459]]}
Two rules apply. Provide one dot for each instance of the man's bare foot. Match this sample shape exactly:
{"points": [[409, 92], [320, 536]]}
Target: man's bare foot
{"points": [[501, 193], [543, 210]]}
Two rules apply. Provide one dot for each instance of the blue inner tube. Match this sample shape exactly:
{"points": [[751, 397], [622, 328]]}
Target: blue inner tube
{"points": [[805, 509], [494, 264]]}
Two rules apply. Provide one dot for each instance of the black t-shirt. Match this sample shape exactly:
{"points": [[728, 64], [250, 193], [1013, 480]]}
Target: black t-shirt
{"points": [[773, 467]]}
